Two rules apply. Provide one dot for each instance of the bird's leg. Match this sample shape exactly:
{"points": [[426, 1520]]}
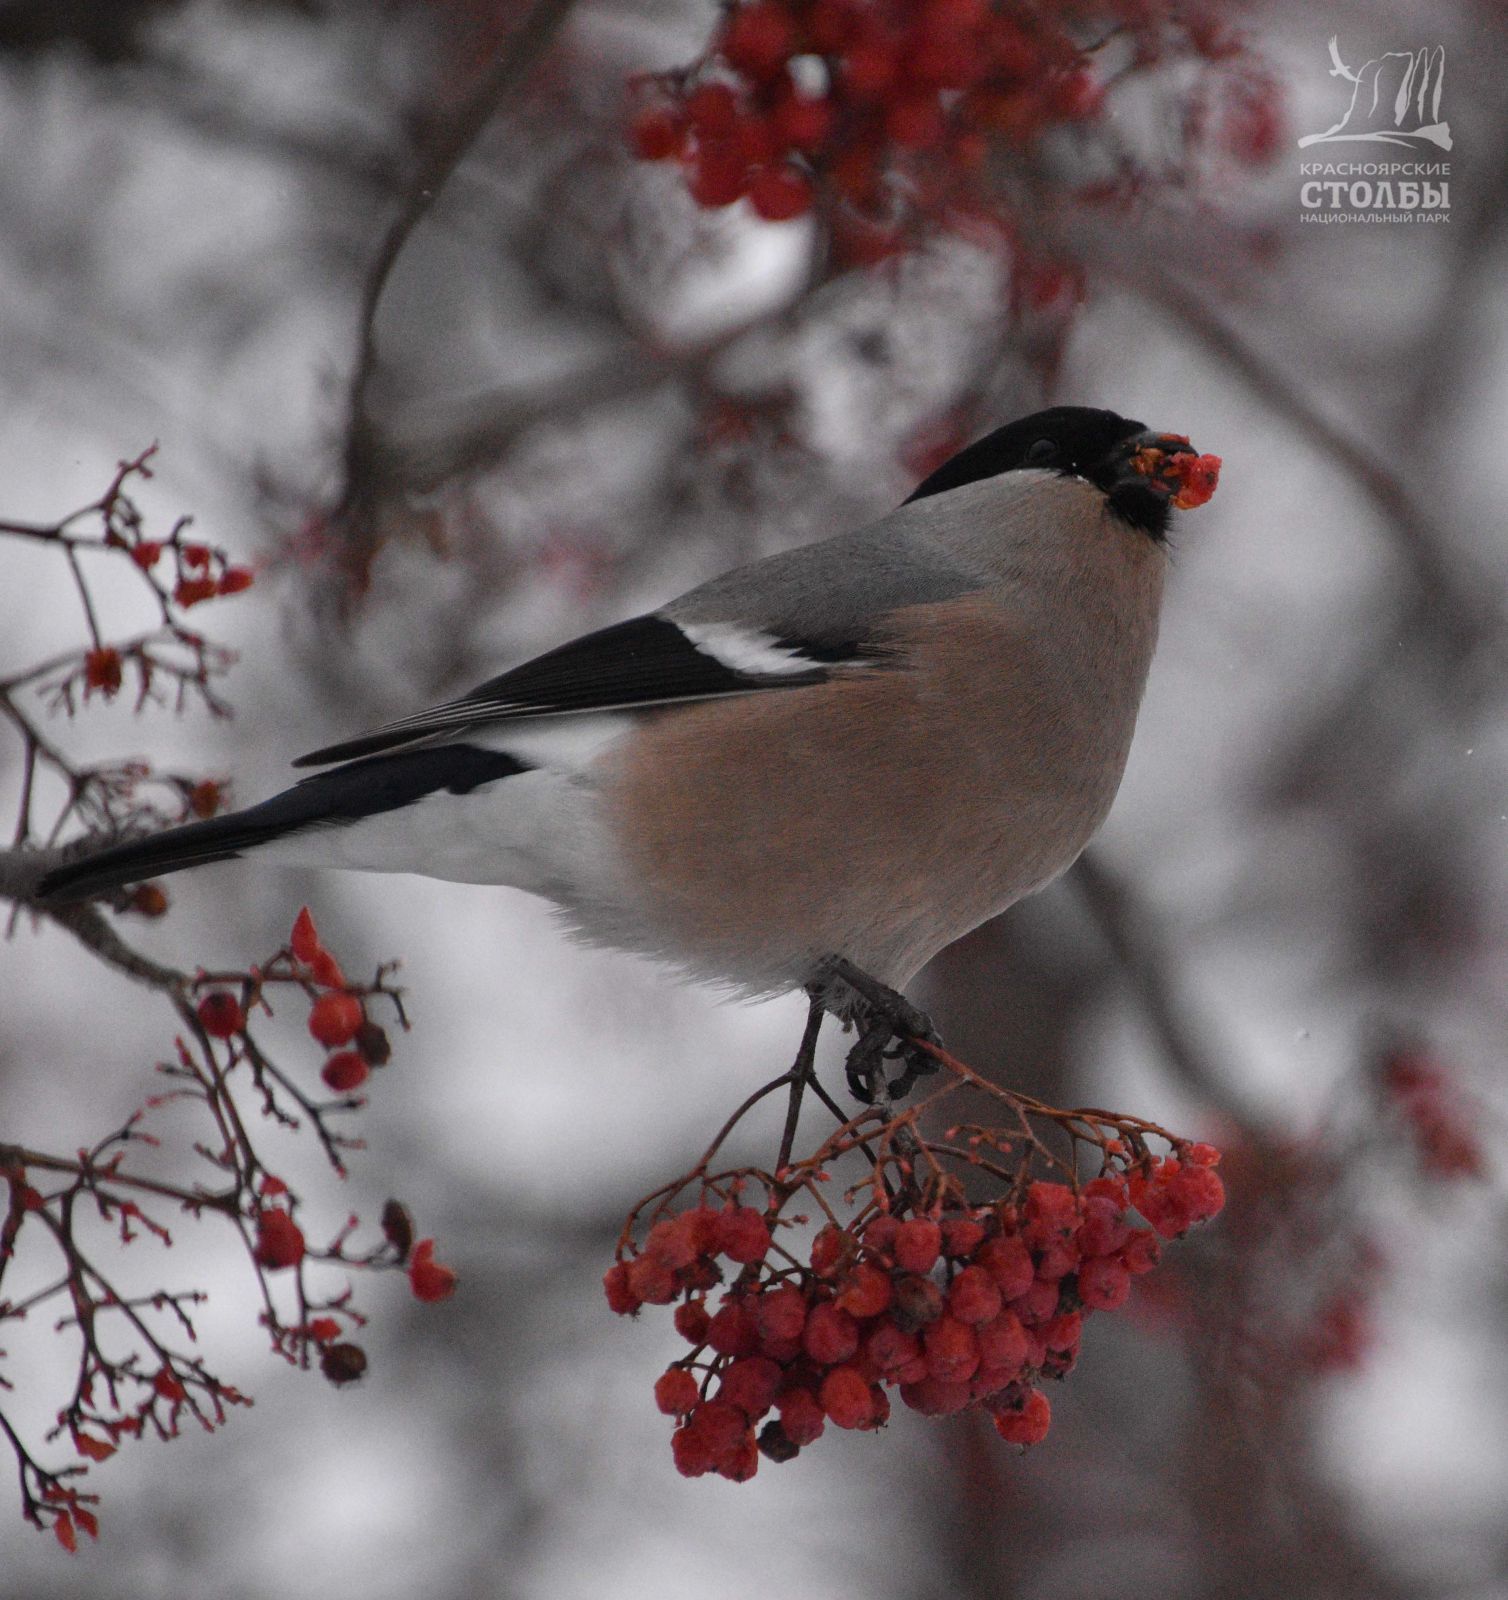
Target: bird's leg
{"points": [[800, 1076], [881, 1014]]}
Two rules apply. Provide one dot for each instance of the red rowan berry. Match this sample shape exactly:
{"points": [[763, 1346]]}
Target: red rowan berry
{"points": [[652, 1282], [692, 1321], [1104, 1228], [234, 580], [832, 1250], [935, 1397], [917, 1244], [1058, 1259], [1076, 96], [304, 940], [669, 1241], [1039, 1302], [741, 1462], [279, 1242], [916, 123], [801, 1416], [889, 1348], [325, 970], [952, 1350], [195, 555], [620, 1295], [701, 1223], [953, 17], [780, 1313], [1141, 1252], [691, 1452], [1202, 1155], [146, 554], [1108, 1186], [973, 1296], [206, 797], [830, 1335], [870, 69], [846, 1398], [656, 133], [712, 111], [780, 194], [867, 1292], [750, 1385], [1064, 1331], [323, 1329], [741, 1234], [1104, 1283], [220, 1014], [880, 1233], [148, 900], [962, 1236], [676, 1392], [1029, 1424], [345, 1071], [1009, 1262], [1198, 1192], [102, 670], [167, 1384], [1052, 1212], [758, 39], [756, 142], [831, 25], [334, 1019], [1002, 1342], [723, 1426], [804, 124], [732, 1331], [429, 1280], [719, 177], [191, 591]]}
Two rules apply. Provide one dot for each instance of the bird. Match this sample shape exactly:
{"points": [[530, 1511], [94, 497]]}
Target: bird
{"points": [[826, 764]]}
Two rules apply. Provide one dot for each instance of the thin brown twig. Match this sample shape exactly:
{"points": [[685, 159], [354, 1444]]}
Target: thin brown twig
{"points": [[516, 59]]}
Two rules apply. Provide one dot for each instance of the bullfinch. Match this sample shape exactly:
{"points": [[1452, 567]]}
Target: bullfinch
{"points": [[850, 753]]}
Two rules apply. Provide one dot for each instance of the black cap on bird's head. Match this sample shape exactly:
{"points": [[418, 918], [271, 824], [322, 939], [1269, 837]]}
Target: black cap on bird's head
{"points": [[1079, 442]]}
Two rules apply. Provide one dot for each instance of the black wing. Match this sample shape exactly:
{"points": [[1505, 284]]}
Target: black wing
{"points": [[645, 661]]}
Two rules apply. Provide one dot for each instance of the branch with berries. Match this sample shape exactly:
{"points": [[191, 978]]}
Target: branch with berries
{"points": [[956, 1269], [892, 120], [137, 1370], [168, 664]]}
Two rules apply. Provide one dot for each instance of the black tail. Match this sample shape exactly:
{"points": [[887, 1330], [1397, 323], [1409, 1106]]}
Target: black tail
{"points": [[343, 795]]}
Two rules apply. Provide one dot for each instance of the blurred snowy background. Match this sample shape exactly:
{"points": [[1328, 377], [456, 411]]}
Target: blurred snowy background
{"points": [[590, 396]]}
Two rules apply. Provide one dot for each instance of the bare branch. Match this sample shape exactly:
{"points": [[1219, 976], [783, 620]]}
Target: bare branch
{"points": [[510, 69]]}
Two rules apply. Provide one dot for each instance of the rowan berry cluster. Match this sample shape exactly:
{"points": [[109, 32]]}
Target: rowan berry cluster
{"points": [[949, 1304], [1434, 1113], [904, 111], [337, 1013], [139, 1366]]}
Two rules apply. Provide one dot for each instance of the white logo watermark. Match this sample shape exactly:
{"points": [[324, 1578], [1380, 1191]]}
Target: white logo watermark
{"points": [[1395, 100]]}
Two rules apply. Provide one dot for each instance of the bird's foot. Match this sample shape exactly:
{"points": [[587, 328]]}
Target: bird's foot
{"points": [[889, 1029]]}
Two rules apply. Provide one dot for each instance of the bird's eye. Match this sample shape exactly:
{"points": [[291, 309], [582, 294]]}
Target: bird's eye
{"points": [[1042, 454]]}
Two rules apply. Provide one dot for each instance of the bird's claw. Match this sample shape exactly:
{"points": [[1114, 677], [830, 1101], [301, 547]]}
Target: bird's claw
{"points": [[889, 1029]]}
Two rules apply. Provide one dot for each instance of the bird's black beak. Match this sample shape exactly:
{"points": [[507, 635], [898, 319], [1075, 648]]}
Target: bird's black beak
{"points": [[1131, 462]]}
